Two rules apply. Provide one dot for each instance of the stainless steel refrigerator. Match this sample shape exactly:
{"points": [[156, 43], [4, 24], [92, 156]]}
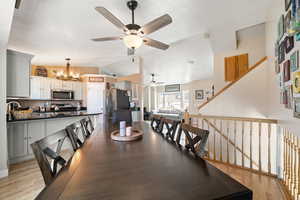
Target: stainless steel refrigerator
{"points": [[118, 106]]}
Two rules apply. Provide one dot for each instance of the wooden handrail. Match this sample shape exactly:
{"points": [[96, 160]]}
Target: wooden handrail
{"points": [[233, 82], [245, 119]]}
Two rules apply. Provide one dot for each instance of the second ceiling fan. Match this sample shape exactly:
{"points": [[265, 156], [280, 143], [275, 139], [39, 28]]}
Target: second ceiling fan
{"points": [[133, 34]]}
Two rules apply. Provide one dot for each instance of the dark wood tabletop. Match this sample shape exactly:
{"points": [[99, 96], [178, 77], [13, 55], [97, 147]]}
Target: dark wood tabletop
{"points": [[148, 169]]}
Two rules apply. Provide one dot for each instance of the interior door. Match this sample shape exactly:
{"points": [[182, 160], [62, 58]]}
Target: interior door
{"points": [[231, 72], [95, 97], [243, 64]]}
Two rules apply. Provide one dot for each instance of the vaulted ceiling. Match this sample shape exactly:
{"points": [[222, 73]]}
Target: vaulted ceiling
{"points": [[55, 29]]}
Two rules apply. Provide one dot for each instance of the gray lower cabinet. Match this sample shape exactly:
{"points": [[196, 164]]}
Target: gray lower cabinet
{"points": [[17, 140], [21, 134]]}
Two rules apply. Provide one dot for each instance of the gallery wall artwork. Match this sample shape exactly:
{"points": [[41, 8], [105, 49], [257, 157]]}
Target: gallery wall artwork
{"points": [[286, 64]]}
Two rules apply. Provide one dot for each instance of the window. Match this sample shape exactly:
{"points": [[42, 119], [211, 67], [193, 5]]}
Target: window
{"points": [[173, 101]]}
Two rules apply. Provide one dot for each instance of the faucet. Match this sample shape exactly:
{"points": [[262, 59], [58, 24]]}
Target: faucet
{"points": [[10, 108]]}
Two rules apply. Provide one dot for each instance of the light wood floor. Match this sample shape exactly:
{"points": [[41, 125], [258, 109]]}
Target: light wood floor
{"points": [[263, 187], [25, 182]]}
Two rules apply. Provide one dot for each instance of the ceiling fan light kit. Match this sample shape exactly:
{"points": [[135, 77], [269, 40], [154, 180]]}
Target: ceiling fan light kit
{"points": [[133, 34]]}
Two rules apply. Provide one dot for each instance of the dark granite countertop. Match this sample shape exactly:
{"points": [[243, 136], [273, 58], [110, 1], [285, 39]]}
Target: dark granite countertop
{"points": [[51, 115]]}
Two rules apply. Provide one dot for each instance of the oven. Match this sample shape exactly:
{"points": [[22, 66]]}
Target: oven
{"points": [[62, 94]]}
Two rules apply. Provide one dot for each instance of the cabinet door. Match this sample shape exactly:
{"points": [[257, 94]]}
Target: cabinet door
{"points": [[17, 140], [67, 85], [56, 84], [36, 131], [231, 72], [18, 74], [243, 65], [35, 87], [45, 88], [77, 88]]}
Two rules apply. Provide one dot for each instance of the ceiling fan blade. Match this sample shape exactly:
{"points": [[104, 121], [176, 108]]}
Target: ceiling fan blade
{"points": [[156, 24], [18, 4], [155, 44], [105, 39], [110, 17], [130, 52]]}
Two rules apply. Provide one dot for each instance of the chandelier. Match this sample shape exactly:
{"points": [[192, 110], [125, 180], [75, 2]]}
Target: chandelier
{"points": [[68, 75]]}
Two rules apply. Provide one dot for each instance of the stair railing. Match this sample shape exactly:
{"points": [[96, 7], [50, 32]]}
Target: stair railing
{"points": [[232, 83], [248, 143]]}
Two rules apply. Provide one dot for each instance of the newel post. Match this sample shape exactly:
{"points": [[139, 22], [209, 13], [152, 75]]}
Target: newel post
{"points": [[186, 117]]}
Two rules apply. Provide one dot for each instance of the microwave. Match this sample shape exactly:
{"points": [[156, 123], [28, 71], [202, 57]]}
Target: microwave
{"points": [[62, 94]]}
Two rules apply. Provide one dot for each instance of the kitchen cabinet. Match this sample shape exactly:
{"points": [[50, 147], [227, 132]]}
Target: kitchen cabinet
{"points": [[77, 87], [21, 135], [35, 87], [67, 85], [35, 132], [45, 88], [17, 140], [41, 87], [18, 74], [56, 84]]}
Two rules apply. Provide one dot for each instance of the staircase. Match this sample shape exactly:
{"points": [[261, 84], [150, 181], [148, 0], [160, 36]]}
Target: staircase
{"points": [[232, 83], [258, 145]]}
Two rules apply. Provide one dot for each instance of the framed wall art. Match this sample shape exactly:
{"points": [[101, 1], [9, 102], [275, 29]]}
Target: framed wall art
{"points": [[277, 67], [199, 94], [294, 61], [276, 49], [297, 37], [287, 4], [172, 88], [280, 28], [281, 52], [297, 107], [296, 82], [286, 71], [289, 43], [287, 21]]}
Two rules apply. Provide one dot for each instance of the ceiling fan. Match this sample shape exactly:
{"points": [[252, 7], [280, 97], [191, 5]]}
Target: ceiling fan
{"points": [[134, 35], [17, 4], [153, 81]]}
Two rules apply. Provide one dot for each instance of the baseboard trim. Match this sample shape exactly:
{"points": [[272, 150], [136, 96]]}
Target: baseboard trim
{"points": [[3, 173]]}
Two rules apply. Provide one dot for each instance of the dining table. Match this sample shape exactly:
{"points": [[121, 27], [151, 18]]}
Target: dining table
{"points": [[151, 168]]}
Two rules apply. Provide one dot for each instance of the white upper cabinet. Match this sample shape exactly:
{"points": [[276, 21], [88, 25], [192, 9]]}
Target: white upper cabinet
{"points": [[18, 74], [67, 85], [56, 84], [77, 87], [41, 87], [46, 88], [35, 87]]}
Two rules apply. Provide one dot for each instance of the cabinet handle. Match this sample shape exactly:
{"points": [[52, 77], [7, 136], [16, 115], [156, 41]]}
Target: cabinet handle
{"points": [[25, 138]]}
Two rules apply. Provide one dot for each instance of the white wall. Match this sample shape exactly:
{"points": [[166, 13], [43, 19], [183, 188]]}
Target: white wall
{"points": [[246, 98], [205, 85], [275, 109], [250, 40], [6, 14]]}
